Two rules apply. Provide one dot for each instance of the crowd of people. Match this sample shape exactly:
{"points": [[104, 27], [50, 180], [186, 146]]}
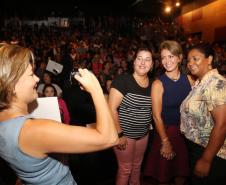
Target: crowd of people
{"points": [[137, 78]]}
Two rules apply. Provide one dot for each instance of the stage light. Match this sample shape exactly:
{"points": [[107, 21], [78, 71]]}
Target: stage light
{"points": [[177, 4], [168, 9]]}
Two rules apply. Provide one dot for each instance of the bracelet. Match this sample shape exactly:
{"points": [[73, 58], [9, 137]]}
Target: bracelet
{"points": [[165, 140], [120, 134]]}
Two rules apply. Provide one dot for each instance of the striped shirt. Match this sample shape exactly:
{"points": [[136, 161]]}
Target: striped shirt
{"points": [[135, 109]]}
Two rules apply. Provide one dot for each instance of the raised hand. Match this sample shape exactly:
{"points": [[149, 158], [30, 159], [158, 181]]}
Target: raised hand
{"points": [[88, 80]]}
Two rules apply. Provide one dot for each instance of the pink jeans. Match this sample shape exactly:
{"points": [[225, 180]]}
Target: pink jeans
{"points": [[129, 161]]}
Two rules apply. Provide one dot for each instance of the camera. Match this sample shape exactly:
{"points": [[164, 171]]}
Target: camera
{"points": [[72, 80]]}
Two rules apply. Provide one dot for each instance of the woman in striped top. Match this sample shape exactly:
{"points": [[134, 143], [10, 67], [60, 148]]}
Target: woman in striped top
{"points": [[130, 103]]}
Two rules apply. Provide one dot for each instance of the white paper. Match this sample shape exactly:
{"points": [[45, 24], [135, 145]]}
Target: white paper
{"points": [[45, 108], [54, 67]]}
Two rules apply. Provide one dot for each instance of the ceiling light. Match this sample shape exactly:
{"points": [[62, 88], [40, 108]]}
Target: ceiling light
{"points": [[177, 4], [168, 9]]}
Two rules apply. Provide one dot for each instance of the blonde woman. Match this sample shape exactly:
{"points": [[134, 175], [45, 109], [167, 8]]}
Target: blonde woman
{"points": [[168, 159], [25, 143]]}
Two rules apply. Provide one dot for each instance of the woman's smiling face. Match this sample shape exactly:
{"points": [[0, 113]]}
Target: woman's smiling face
{"points": [[169, 61], [25, 88], [198, 64], [143, 62]]}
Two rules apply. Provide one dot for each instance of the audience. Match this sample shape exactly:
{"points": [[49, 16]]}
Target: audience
{"points": [[50, 91], [46, 80], [106, 45]]}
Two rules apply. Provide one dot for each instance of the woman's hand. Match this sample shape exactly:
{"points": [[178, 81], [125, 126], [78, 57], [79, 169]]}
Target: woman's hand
{"points": [[202, 168], [122, 143], [88, 80], [167, 150]]}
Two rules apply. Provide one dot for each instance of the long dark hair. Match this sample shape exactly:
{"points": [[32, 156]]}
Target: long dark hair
{"points": [[49, 85]]}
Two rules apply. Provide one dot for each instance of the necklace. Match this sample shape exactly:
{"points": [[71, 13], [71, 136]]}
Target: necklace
{"points": [[173, 78], [141, 82]]}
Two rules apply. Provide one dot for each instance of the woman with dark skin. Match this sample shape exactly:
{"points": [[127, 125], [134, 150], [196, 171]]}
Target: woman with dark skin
{"points": [[203, 119]]}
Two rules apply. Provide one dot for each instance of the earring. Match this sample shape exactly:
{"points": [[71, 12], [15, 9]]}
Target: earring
{"points": [[210, 66]]}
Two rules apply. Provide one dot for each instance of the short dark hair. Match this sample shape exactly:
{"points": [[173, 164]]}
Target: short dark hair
{"points": [[207, 50]]}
